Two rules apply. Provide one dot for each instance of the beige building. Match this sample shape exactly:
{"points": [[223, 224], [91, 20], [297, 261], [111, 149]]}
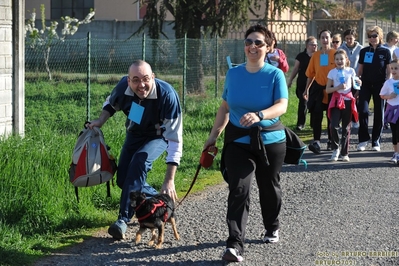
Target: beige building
{"points": [[119, 19], [120, 10]]}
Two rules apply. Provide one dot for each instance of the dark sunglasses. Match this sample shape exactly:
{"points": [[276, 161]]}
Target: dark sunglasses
{"points": [[335, 41], [258, 43], [373, 36]]}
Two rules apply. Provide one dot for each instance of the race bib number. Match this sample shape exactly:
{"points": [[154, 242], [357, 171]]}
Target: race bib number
{"points": [[324, 60], [136, 113], [368, 57]]}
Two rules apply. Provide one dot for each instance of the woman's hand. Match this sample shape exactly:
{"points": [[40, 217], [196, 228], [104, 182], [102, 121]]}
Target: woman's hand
{"points": [[306, 95], [249, 119]]}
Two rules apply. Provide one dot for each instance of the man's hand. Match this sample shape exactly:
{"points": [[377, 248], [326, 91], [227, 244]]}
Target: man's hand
{"points": [[94, 123], [168, 186]]}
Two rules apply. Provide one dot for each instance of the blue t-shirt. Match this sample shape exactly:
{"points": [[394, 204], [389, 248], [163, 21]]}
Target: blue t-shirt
{"points": [[251, 92]]}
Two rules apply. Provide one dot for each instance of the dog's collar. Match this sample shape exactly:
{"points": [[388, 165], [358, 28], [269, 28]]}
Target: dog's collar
{"points": [[156, 205], [138, 207]]}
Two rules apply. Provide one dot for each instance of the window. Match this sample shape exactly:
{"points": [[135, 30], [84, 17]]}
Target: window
{"points": [[73, 8]]}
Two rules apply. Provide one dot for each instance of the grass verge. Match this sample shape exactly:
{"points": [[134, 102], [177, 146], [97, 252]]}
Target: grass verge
{"points": [[39, 213]]}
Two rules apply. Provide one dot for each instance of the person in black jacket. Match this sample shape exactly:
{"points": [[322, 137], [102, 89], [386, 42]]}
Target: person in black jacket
{"points": [[301, 64], [373, 70]]}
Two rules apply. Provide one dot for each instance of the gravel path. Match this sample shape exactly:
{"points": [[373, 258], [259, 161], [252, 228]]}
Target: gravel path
{"points": [[333, 214]]}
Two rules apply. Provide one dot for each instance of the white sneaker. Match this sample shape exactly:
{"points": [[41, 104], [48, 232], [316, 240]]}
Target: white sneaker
{"points": [[362, 146], [271, 236], [376, 148], [393, 159], [232, 255], [345, 158], [335, 155]]}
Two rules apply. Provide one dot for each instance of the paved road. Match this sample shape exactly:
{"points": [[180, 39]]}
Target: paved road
{"points": [[341, 213]]}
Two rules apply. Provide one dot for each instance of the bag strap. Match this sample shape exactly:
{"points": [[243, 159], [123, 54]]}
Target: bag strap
{"points": [[108, 191], [77, 194], [304, 162]]}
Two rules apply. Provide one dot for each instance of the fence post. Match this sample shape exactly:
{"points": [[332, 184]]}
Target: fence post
{"points": [[216, 66], [88, 77], [300, 44], [362, 31], [143, 50], [184, 70]]}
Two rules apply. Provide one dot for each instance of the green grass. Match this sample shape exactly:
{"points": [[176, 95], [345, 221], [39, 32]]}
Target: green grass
{"points": [[39, 213]]}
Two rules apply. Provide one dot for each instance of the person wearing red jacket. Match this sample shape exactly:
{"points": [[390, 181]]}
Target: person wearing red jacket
{"points": [[276, 57]]}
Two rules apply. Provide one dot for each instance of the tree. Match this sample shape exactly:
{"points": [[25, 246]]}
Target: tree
{"points": [[47, 37], [386, 8], [199, 18]]}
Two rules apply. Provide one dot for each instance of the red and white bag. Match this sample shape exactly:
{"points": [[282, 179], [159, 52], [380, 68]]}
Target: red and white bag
{"points": [[92, 163]]}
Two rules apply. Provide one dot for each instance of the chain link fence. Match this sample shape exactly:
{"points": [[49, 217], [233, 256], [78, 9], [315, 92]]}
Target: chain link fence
{"points": [[192, 66], [84, 71]]}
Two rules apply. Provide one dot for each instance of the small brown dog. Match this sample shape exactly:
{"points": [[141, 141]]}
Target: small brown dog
{"points": [[153, 213]]}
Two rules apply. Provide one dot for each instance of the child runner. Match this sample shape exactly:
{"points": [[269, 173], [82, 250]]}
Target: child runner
{"points": [[342, 105], [390, 92]]}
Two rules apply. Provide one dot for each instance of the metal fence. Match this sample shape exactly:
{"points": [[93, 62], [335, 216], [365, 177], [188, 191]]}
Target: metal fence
{"points": [[193, 63]]}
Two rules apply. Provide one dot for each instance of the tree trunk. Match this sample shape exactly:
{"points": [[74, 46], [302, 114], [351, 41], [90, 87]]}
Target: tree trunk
{"points": [[195, 71], [46, 54]]}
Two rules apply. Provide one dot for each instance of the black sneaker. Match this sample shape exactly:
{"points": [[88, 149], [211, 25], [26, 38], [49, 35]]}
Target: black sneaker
{"points": [[329, 146], [314, 147]]}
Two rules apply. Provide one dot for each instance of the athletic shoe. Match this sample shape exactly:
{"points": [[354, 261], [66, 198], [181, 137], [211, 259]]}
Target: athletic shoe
{"points": [[335, 155], [232, 255], [362, 146], [300, 127], [376, 148], [271, 237], [394, 158], [314, 147], [118, 229], [329, 148], [345, 158], [397, 158]]}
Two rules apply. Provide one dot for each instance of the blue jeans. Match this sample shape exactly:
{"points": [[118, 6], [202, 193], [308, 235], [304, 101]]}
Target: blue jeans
{"points": [[135, 162]]}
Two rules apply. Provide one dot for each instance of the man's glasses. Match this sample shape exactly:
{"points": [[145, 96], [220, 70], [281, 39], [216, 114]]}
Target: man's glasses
{"points": [[136, 81], [258, 43], [335, 41], [373, 36]]}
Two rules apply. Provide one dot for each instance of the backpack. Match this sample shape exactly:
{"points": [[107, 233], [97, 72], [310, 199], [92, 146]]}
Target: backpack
{"points": [[295, 148], [92, 164]]}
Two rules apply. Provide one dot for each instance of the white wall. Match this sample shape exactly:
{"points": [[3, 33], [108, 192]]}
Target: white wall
{"points": [[11, 67]]}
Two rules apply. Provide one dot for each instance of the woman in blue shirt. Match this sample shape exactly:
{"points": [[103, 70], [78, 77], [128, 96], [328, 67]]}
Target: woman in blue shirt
{"points": [[255, 96]]}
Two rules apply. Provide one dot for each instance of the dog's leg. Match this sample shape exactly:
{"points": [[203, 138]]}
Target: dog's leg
{"points": [[173, 222], [139, 233], [161, 230], [153, 237]]}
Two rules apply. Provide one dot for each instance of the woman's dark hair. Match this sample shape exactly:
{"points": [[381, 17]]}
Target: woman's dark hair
{"points": [[350, 32], [321, 32], [261, 29]]}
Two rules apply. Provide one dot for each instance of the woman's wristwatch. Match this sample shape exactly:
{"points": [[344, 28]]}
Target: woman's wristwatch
{"points": [[260, 115]]}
